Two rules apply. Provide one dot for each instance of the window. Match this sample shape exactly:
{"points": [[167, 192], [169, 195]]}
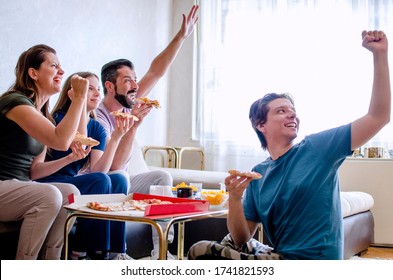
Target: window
{"points": [[311, 49]]}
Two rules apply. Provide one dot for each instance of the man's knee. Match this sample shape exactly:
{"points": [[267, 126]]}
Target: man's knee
{"points": [[163, 178]]}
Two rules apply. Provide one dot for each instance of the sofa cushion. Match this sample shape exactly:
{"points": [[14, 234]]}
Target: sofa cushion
{"points": [[137, 162], [355, 202]]}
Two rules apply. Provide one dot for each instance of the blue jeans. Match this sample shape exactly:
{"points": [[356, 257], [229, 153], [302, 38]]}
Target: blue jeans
{"points": [[98, 235]]}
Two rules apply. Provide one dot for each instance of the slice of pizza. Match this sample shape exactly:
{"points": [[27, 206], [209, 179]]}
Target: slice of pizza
{"points": [[148, 101], [124, 115], [99, 206], [155, 201], [250, 174], [84, 140], [138, 204], [111, 207], [128, 205], [125, 205]]}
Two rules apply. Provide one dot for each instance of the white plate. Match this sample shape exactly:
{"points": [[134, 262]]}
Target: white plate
{"points": [[217, 207]]}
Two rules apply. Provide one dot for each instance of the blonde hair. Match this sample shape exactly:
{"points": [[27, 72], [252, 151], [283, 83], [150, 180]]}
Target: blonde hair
{"points": [[64, 102]]}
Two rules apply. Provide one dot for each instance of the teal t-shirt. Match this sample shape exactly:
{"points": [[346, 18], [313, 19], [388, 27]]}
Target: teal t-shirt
{"points": [[17, 148], [298, 198]]}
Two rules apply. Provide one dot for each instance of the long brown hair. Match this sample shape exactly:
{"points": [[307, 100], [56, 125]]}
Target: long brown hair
{"points": [[31, 58], [64, 102]]}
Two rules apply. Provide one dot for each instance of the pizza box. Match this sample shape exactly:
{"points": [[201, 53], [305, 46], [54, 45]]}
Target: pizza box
{"points": [[179, 206]]}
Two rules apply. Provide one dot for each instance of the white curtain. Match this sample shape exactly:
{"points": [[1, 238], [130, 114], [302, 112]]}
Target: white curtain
{"points": [[311, 49]]}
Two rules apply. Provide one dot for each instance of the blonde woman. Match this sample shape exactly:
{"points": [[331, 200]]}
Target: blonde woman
{"points": [[93, 238]]}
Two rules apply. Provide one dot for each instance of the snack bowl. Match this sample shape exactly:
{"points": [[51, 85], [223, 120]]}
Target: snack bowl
{"points": [[182, 185], [217, 199]]}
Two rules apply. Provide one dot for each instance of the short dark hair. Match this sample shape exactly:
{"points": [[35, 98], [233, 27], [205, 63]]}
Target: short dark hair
{"points": [[109, 70], [259, 110]]}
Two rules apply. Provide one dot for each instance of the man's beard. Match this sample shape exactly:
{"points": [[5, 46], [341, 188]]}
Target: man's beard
{"points": [[124, 100]]}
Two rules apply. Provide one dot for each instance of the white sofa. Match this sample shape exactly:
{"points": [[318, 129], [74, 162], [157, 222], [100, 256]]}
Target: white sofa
{"points": [[209, 179]]}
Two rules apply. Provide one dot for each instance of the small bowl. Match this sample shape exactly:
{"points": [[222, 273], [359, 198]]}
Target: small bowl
{"points": [[184, 192], [217, 199]]}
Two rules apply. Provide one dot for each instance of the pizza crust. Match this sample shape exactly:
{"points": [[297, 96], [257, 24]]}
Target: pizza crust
{"points": [[124, 115], [84, 140], [98, 206], [250, 174], [148, 101]]}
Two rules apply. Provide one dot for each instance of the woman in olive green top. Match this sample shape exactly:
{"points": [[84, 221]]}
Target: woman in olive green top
{"points": [[26, 127]]}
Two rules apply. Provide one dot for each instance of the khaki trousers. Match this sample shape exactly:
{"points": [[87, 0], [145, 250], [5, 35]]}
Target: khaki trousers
{"points": [[40, 206]]}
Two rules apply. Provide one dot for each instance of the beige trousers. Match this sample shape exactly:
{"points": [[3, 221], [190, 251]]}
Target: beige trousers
{"points": [[40, 206]]}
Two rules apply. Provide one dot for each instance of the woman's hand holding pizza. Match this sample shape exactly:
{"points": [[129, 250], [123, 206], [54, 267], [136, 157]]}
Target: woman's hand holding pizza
{"points": [[78, 151]]}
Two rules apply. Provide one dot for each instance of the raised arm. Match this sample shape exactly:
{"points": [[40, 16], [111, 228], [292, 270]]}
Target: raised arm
{"points": [[164, 60], [378, 115], [40, 128], [102, 161]]}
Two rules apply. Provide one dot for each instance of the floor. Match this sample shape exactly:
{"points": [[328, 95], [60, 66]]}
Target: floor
{"points": [[375, 252]]}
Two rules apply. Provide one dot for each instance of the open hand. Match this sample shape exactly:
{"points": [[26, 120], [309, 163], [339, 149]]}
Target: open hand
{"points": [[189, 22]]}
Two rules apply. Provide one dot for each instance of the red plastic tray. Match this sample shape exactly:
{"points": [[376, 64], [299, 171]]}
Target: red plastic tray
{"points": [[180, 205]]}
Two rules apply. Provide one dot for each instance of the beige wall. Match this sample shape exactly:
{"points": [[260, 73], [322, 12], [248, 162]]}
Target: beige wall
{"points": [[181, 92], [86, 34], [373, 176]]}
